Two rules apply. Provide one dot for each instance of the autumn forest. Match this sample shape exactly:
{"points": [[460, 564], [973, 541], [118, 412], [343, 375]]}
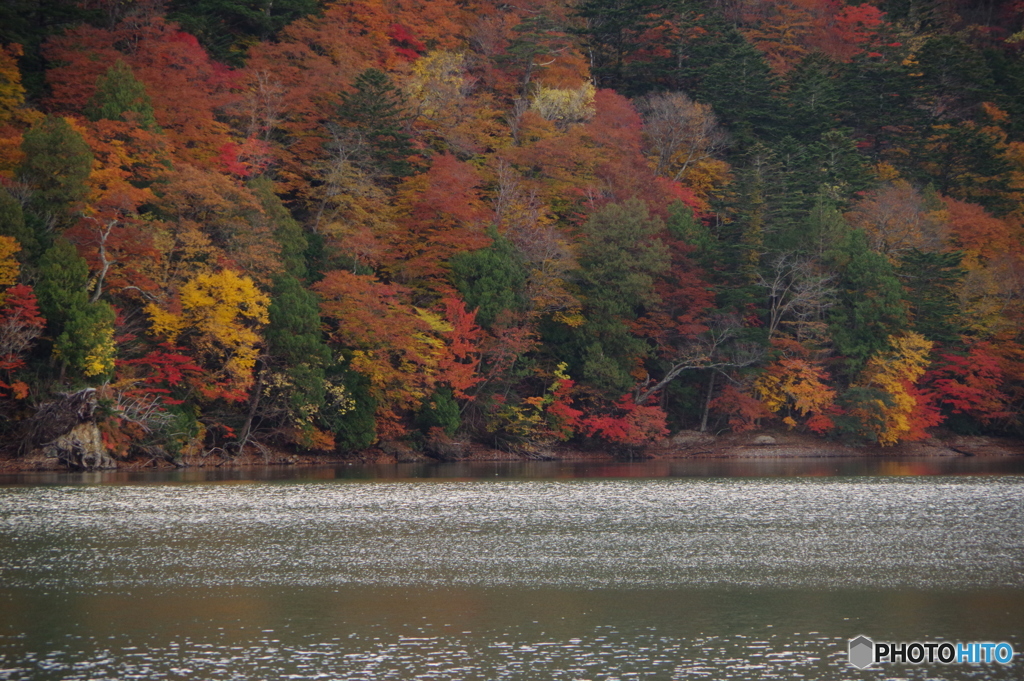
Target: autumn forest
{"points": [[326, 226]]}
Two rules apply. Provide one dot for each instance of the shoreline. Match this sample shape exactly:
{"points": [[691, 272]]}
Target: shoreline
{"points": [[686, 445]]}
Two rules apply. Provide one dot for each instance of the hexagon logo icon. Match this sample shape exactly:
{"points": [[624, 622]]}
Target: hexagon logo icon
{"points": [[862, 652]]}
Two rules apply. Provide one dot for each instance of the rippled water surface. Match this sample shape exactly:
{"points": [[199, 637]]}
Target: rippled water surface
{"points": [[507, 577]]}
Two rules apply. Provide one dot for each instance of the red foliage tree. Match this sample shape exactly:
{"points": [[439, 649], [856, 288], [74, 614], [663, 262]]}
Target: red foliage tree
{"points": [[442, 214], [629, 424], [459, 363], [187, 88], [20, 324], [970, 383]]}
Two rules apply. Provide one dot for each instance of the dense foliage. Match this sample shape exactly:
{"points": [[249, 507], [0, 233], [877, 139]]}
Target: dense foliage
{"points": [[329, 225]]}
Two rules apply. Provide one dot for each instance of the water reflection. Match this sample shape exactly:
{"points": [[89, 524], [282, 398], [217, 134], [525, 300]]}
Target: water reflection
{"points": [[525, 574], [411, 633], [550, 470]]}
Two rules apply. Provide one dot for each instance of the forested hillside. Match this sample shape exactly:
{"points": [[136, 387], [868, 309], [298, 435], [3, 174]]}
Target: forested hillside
{"points": [[333, 225]]}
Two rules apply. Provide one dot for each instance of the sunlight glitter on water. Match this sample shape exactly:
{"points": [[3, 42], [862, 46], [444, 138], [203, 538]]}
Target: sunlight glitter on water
{"points": [[510, 579], [804, 533]]}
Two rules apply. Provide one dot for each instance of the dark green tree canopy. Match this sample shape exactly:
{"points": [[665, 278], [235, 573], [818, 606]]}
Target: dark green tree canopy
{"points": [[120, 96], [228, 27], [930, 280], [870, 305], [491, 279], [376, 114], [57, 164]]}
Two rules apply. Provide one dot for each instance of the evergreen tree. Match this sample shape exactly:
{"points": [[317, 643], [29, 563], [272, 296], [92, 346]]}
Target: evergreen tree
{"points": [[536, 37], [30, 22], [440, 411], [294, 334], [376, 113], [57, 164], [12, 223], [954, 78], [870, 307], [82, 331], [836, 168], [296, 348], [966, 162], [877, 101], [120, 96], [823, 228], [739, 85], [491, 279], [619, 256], [768, 205], [812, 99], [683, 225], [287, 231], [86, 343], [226, 28], [612, 34], [930, 281], [64, 276], [357, 428], [1007, 71]]}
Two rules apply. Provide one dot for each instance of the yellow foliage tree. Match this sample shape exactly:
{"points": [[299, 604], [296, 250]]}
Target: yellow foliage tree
{"points": [[8, 263], [14, 115], [796, 384], [565, 106], [438, 82], [893, 372], [219, 316]]}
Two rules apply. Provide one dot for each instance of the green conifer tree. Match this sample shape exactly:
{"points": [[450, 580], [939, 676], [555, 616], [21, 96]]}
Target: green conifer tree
{"points": [[870, 305], [377, 113], [12, 223], [491, 279], [57, 164], [620, 256], [296, 349], [930, 281], [82, 332], [120, 96], [287, 230]]}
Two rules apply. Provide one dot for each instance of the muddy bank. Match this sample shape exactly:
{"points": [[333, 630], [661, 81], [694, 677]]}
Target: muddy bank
{"points": [[684, 445]]}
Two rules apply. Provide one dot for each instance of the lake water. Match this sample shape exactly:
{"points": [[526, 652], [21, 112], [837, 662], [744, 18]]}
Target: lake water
{"points": [[712, 569]]}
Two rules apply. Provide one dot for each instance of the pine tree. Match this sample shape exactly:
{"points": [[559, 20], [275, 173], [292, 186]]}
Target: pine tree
{"points": [[612, 35], [930, 281], [440, 411], [812, 99], [620, 256], [120, 96], [377, 114], [57, 164], [739, 85], [870, 307], [491, 279], [287, 231], [61, 288], [536, 37], [227, 27], [357, 428], [296, 349], [82, 331]]}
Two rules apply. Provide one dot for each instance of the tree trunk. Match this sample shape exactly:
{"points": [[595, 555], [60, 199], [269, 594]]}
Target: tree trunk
{"points": [[707, 403], [254, 403]]}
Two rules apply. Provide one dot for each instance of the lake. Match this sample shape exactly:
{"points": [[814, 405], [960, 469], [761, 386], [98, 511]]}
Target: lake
{"points": [[739, 569]]}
